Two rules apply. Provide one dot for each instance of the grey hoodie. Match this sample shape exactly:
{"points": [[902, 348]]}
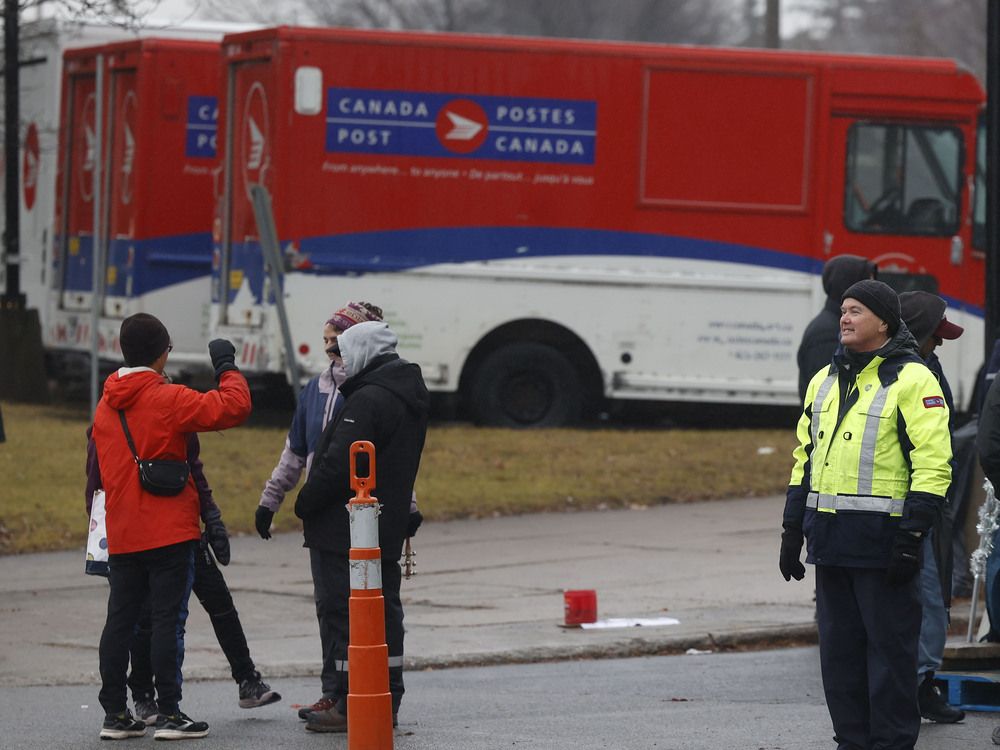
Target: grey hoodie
{"points": [[362, 343]]}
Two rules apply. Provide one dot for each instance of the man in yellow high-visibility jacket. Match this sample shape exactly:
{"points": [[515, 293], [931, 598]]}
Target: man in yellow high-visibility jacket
{"points": [[871, 472]]}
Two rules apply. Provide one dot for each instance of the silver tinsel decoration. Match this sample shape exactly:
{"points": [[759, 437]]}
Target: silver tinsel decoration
{"points": [[989, 522]]}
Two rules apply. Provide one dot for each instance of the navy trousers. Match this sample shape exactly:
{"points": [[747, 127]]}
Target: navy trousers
{"points": [[332, 591], [868, 635]]}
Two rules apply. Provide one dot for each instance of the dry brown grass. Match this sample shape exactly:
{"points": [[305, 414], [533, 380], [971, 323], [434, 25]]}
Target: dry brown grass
{"points": [[465, 472]]}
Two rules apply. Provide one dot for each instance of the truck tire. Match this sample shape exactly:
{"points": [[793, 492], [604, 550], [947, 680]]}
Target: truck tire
{"points": [[526, 385]]}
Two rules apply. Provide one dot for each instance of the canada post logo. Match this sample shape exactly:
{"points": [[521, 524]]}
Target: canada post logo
{"points": [[202, 125], [412, 123]]}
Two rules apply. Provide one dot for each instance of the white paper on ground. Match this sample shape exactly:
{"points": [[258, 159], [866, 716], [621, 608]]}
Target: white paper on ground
{"points": [[630, 622]]}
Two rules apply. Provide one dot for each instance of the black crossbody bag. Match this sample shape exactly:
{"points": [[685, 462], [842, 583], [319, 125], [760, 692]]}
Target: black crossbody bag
{"points": [[158, 477]]}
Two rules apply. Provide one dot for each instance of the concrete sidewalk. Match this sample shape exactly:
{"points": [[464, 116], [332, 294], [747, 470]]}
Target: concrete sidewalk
{"points": [[486, 591]]}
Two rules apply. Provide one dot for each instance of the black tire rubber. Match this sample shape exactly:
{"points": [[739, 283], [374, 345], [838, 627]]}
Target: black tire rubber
{"points": [[526, 385]]}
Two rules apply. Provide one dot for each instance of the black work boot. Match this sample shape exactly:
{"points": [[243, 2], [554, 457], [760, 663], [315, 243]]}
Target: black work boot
{"points": [[933, 706]]}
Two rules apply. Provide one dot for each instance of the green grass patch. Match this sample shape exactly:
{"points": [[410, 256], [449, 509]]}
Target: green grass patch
{"points": [[466, 471]]}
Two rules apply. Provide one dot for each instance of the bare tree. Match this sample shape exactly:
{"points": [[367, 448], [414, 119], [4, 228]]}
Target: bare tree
{"points": [[264, 12], [682, 21], [939, 28], [124, 13]]}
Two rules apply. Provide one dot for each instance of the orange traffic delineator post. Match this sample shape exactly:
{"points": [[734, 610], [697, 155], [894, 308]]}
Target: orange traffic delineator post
{"points": [[369, 703]]}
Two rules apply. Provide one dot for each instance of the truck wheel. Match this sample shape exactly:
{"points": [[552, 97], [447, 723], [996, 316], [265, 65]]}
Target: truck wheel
{"points": [[526, 385]]}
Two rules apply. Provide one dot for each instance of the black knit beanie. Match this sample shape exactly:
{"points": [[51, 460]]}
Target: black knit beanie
{"points": [[142, 338], [878, 297]]}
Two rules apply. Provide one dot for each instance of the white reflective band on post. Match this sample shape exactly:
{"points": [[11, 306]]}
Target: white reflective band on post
{"points": [[864, 503], [366, 574], [364, 525], [395, 661]]}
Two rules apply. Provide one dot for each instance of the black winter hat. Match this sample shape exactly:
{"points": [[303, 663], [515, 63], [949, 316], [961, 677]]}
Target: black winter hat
{"points": [[142, 338], [878, 297]]}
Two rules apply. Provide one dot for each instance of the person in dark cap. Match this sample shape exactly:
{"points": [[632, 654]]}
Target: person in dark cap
{"points": [[870, 474], [822, 335], [152, 540], [923, 314]]}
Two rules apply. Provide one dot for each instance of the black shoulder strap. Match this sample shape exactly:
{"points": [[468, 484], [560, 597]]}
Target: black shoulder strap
{"points": [[128, 435]]}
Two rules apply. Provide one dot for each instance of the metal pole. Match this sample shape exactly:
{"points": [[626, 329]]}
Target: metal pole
{"points": [[272, 255], [969, 638], [96, 257], [772, 25], [12, 298]]}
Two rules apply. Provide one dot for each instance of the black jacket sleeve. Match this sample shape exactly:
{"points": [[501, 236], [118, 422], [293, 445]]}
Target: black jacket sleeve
{"points": [[329, 481], [206, 503], [988, 438], [94, 481]]}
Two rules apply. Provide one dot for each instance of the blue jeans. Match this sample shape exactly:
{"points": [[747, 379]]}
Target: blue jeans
{"points": [[934, 625]]}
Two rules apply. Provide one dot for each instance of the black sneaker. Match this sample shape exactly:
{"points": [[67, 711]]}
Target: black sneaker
{"points": [[179, 727], [255, 692], [146, 711], [933, 705], [121, 726]]}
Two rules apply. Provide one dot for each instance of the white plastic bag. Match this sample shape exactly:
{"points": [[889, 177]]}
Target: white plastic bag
{"points": [[97, 539]]}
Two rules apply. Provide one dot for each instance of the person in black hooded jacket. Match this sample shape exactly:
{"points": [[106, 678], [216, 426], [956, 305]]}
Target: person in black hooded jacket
{"points": [[822, 335], [388, 405]]}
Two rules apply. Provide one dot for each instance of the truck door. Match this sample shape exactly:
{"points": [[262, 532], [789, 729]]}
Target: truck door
{"points": [[249, 152], [895, 195], [77, 231], [121, 202]]}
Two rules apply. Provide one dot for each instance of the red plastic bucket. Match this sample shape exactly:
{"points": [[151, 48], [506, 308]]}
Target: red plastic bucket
{"points": [[580, 606]]}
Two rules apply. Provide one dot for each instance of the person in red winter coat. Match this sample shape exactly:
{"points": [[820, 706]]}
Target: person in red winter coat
{"points": [[152, 538]]}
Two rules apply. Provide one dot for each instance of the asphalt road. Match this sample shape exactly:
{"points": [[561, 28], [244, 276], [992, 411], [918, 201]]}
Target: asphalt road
{"points": [[769, 700]]}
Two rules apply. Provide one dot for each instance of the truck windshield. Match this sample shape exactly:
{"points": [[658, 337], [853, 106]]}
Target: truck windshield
{"points": [[979, 196], [903, 179]]}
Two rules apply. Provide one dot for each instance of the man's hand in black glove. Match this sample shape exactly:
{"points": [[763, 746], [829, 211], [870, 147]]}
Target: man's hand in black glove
{"points": [[904, 563], [223, 355], [218, 540], [262, 520], [788, 559], [413, 522]]}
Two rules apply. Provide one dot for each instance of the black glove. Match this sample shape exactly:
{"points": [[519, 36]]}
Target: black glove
{"points": [[904, 562], [788, 559], [262, 520], [218, 540], [223, 355], [413, 522]]}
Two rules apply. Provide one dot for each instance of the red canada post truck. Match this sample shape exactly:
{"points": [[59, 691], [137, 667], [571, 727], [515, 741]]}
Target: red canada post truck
{"points": [[550, 225], [156, 148]]}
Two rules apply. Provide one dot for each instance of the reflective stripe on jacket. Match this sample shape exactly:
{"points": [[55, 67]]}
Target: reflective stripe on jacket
{"points": [[857, 473]]}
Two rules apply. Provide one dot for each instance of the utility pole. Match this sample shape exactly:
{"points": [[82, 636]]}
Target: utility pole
{"points": [[22, 366], [772, 24], [991, 317], [12, 298]]}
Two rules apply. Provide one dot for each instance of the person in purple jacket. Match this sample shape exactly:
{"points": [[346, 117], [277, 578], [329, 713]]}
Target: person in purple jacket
{"points": [[210, 588]]}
